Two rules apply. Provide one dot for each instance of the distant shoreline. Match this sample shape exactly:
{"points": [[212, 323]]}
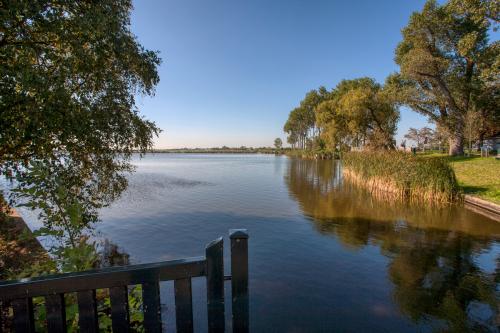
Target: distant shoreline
{"points": [[218, 151]]}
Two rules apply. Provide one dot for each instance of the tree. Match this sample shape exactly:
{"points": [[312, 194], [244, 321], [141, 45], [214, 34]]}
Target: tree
{"points": [[427, 135], [69, 74], [448, 66], [472, 127], [413, 134], [310, 104], [440, 138], [298, 125], [292, 140], [359, 112], [301, 124], [422, 137], [278, 143]]}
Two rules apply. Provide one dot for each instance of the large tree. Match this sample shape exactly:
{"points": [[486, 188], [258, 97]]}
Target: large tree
{"points": [[69, 122], [449, 66], [359, 112]]}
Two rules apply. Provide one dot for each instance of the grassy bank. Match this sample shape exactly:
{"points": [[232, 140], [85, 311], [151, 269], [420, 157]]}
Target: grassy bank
{"points": [[403, 175], [478, 176]]}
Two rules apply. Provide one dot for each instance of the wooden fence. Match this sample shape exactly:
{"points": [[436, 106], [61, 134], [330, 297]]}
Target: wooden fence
{"points": [[19, 294]]}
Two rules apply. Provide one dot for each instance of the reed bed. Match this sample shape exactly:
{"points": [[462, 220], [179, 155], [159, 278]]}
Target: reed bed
{"points": [[401, 175]]}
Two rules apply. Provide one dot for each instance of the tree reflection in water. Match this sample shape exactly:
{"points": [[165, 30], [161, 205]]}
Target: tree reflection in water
{"points": [[433, 251]]}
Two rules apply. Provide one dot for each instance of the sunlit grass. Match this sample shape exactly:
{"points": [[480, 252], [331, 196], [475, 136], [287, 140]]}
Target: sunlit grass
{"points": [[478, 176]]}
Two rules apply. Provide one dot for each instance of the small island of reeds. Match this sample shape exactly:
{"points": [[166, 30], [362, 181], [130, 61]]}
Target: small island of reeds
{"points": [[403, 176]]}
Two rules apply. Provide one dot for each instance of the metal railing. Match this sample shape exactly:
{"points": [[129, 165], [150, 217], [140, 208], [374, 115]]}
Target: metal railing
{"points": [[19, 294]]}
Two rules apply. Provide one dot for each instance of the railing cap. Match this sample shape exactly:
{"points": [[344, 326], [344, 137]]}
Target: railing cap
{"points": [[238, 233], [216, 242]]}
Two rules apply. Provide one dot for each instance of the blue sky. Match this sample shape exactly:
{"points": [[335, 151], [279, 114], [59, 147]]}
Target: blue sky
{"points": [[232, 70]]}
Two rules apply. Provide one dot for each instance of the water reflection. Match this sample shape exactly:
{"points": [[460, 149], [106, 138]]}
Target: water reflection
{"points": [[435, 252]]}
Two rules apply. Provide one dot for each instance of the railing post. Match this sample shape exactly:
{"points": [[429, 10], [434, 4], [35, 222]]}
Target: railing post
{"points": [[239, 279], [151, 305], [87, 311], [183, 305], [215, 285], [55, 313], [23, 315], [119, 309], [1, 315]]}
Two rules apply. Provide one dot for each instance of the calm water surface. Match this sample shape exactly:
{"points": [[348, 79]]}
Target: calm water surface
{"points": [[324, 255]]}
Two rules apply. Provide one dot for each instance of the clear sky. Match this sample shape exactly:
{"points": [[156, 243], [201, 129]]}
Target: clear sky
{"points": [[233, 69]]}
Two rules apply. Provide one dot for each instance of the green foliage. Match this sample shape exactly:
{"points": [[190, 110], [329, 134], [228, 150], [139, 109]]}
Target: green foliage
{"points": [[103, 311], [297, 127], [278, 143], [301, 123], [404, 175], [69, 74], [449, 67], [82, 256], [136, 315], [358, 113], [423, 137]]}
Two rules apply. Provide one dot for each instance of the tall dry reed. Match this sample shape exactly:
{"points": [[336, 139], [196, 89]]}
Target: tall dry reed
{"points": [[402, 175]]}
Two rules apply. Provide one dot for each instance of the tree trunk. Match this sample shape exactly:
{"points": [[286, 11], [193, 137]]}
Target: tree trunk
{"points": [[481, 140], [456, 144]]}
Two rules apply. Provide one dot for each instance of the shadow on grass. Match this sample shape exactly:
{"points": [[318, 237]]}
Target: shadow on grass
{"points": [[474, 189], [461, 158]]}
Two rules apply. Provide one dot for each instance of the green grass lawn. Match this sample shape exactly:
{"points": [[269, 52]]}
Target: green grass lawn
{"points": [[478, 176]]}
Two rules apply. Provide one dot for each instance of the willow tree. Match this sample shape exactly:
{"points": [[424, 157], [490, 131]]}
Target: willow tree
{"points": [[69, 122], [359, 112], [448, 65]]}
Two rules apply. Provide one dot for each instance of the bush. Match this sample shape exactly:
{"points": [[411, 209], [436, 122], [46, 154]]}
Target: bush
{"points": [[403, 175]]}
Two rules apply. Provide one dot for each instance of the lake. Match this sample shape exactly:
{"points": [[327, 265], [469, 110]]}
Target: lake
{"points": [[323, 255]]}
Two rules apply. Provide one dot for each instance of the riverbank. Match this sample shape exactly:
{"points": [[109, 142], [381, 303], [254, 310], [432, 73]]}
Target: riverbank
{"points": [[21, 254], [482, 207], [311, 154], [478, 176]]}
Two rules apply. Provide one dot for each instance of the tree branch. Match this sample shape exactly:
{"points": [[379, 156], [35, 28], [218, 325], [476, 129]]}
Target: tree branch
{"points": [[444, 89]]}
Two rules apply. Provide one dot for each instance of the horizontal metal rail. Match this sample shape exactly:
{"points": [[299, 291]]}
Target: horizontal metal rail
{"points": [[103, 278]]}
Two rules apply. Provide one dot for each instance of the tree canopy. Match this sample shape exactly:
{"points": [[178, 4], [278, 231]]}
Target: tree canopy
{"points": [[355, 113], [359, 112], [70, 71], [449, 66]]}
